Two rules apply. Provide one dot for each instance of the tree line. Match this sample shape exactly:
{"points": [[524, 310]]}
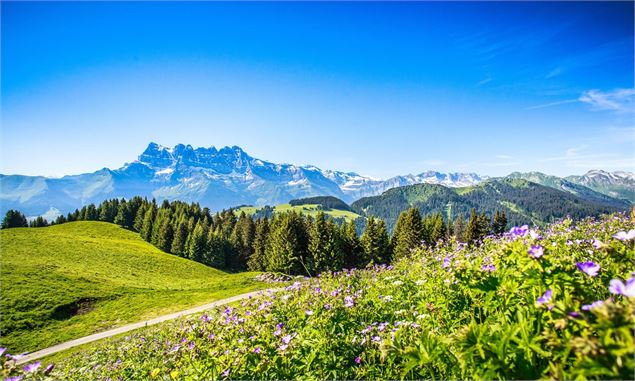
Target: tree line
{"points": [[291, 243]]}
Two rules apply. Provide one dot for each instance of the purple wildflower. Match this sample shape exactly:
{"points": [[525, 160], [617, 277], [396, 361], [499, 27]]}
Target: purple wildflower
{"points": [[15, 378], [277, 332], [536, 251], [257, 350], [598, 244], [625, 236], [375, 339], [192, 345], [318, 290], [49, 368], [358, 360], [348, 302], [225, 373], [574, 314], [535, 235], [596, 304], [616, 286], [30, 368], [2, 350], [519, 231], [308, 312], [589, 268], [286, 339], [328, 306], [283, 347], [446, 262], [545, 298], [490, 268], [279, 325], [205, 318]]}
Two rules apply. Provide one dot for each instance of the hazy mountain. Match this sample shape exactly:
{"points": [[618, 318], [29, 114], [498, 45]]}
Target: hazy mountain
{"points": [[216, 178], [523, 202], [615, 184]]}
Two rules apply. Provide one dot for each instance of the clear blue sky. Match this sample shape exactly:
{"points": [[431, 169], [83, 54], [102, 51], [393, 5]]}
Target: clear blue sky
{"points": [[380, 89]]}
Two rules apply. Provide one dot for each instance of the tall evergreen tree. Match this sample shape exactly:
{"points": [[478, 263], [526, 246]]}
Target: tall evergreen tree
{"points": [[166, 232], [351, 245], [286, 251], [124, 217], [216, 250], [408, 233], [499, 223], [459, 228], [258, 260], [148, 221], [375, 242], [14, 219], [180, 237], [198, 244]]}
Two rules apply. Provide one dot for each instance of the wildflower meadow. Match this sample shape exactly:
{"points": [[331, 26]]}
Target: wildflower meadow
{"points": [[554, 303]]}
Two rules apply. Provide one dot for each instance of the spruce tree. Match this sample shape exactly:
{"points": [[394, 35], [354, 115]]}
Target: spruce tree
{"points": [[14, 219], [472, 228], [197, 245], [408, 233], [459, 228], [258, 260], [216, 250], [148, 220], [166, 233], [180, 237], [375, 242], [351, 245], [499, 223]]}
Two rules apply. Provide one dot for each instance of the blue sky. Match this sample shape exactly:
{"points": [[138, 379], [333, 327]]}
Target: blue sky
{"points": [[380, 89]]}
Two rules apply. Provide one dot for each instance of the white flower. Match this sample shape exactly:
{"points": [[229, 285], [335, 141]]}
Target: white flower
{"points": [[420, 282], [397, 283]]}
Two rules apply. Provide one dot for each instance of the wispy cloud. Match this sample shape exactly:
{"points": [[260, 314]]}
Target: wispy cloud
{"points": [[504, 157], [618, 100], [554, 73], [557, 103], [484, 81]]}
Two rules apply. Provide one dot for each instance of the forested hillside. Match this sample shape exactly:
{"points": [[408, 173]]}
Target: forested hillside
{"points": [[522, 201]]}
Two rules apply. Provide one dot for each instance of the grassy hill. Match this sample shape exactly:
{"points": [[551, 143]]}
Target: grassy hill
{"points": [[70, 280], [310, 209], [523, 201]]}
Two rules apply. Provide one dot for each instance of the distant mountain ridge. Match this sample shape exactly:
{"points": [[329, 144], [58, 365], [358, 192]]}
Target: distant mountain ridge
{"points": [[216, 178], [222, 178], [523, 201]]}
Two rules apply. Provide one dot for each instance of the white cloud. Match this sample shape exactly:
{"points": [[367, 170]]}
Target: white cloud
{"points": [[504, 157], [553, 104], [618, 100]]}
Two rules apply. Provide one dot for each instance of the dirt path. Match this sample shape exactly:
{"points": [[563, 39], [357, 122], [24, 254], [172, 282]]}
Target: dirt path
{"points": [[129, 327]]}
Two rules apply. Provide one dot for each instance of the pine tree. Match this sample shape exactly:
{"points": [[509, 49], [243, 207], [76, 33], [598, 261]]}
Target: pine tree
{"points": [[180, 237], [14, 219], [124, 217], [351, 245], [166, 233], [258, 260], [375, 242], [197, 245], [216, 250], [242, 238], [459, 228], [408, 233], [148, 220], [38, 222], [472, 228], [286, 251], [138, 220], [499, 223]]}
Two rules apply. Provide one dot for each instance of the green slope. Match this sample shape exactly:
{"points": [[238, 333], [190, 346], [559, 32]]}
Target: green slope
{"points": [[310, 209], [523, 201], [565, 185], [70, 280]]}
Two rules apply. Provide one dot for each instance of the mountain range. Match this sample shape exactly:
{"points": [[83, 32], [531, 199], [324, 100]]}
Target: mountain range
{"points": [[523, 201], [227, 177]]}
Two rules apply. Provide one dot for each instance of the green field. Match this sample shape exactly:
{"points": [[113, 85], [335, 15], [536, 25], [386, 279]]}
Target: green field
{"points": [[307, 209], [71, 280]]}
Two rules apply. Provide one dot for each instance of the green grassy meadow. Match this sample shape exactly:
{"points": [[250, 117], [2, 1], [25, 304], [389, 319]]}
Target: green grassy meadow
{"points": [[71, 280], [306, 209]]}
